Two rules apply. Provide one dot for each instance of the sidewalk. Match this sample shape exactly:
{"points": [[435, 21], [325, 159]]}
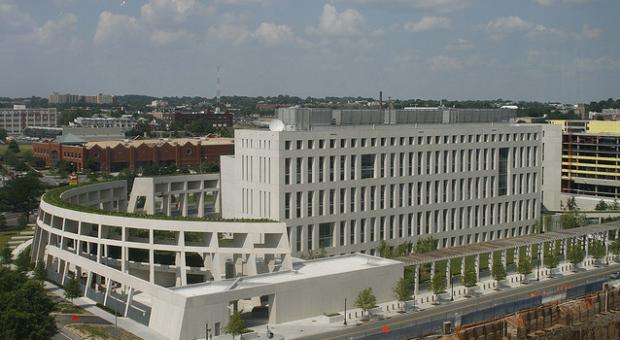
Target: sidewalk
{"points": [[124, 323]]}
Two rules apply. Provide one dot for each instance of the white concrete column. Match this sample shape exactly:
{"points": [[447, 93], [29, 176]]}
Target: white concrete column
{"points": [[462, 267], [416, 280], [201, 204], [477, 267], [108, 287], [89, 281], [129, 301]]}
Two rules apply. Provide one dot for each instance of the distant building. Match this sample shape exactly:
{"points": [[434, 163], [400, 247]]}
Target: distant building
{"points": [[125, 122], [590, 156], [15, 120], [218, 120], [100, 99], [132, 154]]}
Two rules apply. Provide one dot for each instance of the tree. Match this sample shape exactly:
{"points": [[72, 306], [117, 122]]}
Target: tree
{"points": [[570, 220], [235, 325], [525, 264], [5, 254], [21, 194], [13, 146], [498, 270], [366, 300], [601, 205], [64, 168], [552, 258], [24, 308], [72, 289], [23, 260], [575, 253], [439, 282], [571, 204], [425, 245], [402, 291], [3, 135], [469, 279], [614, 247], [614, 205], [384, 249], [39, 271], [596, 249]]}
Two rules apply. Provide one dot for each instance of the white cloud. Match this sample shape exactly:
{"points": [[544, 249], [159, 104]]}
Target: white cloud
{"points": [[54, 31], [333, 23], [500, 27], [429, 23], [442, 6], [460, 45], [549, 3], [13, 20], [444, 63], [229, 32], [115, 28], [591, 33], [178, 10], [273, 34]]}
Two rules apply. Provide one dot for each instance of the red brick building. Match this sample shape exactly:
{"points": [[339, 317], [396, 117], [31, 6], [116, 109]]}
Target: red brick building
{"points": [[118, 155]]}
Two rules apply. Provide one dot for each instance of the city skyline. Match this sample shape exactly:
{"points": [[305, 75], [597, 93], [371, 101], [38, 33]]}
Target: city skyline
{"points": [[547, 50]]}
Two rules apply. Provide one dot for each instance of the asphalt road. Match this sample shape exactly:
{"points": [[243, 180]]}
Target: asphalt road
{"points": [[465, 306]]}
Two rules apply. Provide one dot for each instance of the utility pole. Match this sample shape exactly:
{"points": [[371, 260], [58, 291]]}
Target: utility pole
{"points": [[345, 311]]}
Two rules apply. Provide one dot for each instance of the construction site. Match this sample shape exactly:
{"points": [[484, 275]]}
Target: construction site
{"points": [[592, 317]]}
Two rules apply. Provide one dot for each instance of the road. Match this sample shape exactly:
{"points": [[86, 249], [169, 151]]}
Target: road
{"points": [[466, 306]]}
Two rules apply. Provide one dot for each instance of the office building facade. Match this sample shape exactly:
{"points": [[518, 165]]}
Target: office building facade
{"points": [[345, 188], [15, 120]]}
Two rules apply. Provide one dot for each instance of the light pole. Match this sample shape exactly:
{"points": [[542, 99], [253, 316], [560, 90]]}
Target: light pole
{"points": [[538, 265], [451, 287], [345, 311]]}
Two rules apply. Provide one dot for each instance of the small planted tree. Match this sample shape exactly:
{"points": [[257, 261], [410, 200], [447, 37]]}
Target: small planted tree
{"points": [[597, 249], [366, 300], [439, 282], [72, 289], [575, 253], [384, 249], [402, 291], [39, 271], [469, 279], [525, 265], [235, 325], [601, 205], [23, 261], [498, 270], [552, 258], [614, 247]]}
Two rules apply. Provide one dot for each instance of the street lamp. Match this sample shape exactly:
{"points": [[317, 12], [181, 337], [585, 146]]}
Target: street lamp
{"points": [[452, 286], [538, 265], [345, 311]]}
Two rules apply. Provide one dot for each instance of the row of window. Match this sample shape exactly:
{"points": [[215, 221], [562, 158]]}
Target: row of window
{"points": [[360, 199], [360, 231], [403, 141], [384, 165]]}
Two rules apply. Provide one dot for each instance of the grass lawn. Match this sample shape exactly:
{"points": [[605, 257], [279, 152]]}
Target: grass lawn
{"points": [[67, 308], [22, 147], [103, 332]]}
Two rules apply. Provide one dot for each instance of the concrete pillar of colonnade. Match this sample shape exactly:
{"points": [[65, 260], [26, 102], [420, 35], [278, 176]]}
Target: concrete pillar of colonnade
{"points": [[201, 204], [129, 301], [463, 267], [416, 280], [477, 267]]}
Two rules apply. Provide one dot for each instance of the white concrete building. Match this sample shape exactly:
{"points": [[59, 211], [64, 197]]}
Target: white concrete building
{"points": [[15, 120], [344, 180], [174, 270]]}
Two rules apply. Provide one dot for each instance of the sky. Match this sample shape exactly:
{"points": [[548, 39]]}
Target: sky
{"points": [[545, 50]]}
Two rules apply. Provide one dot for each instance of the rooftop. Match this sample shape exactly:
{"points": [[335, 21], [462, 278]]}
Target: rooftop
{"points": [[161, 141], [302, 271]]}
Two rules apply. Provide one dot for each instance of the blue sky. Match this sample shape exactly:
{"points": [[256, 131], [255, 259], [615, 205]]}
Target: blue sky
{"points": [[549, 50]]}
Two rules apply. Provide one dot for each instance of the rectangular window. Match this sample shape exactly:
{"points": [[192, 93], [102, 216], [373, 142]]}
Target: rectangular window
{"points": [[343, 160], [298, 206], [343, 193], [326, 235], [310, 201], [503, 172], [287, 171], [332, 161], [298, 171], [287, 205], [310, 165], [353, 165], [352, 200], [321, 169], [368, 166], [310, 227], [332, 194]]}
